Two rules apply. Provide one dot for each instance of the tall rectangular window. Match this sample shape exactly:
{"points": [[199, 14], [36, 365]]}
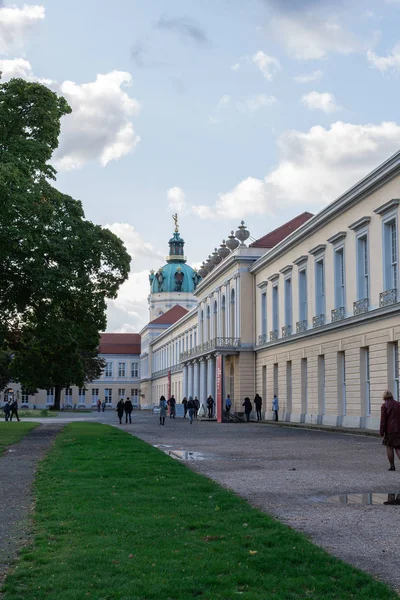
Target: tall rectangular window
{"points": [[365, 380], [50, 396], [289, 386], [264, 313], [134, 370], [121, 393], [82, 395], [95, 395], [321, 384], [362, 267], [320, 287], [135, 396], [68, 396], [24, 396], [288, 302], [108, 369], [340, 297], [393, 369], [121, 369], [275, 308], [108, 395], [304, 386], [390, 254], [341, 367], [276, 372], [303, 310], [264, 383]]}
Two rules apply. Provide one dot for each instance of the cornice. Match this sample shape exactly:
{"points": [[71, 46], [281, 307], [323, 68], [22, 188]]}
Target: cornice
{"points": [[274, 277], [360, 223], [301, 260], [373, 181], [286, 270], [338, 237], [385, 208], [317, 249]]}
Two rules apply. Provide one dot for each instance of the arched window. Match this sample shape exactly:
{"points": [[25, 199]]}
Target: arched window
{"points": [[233, 314], [208, 325], [223, 317], [215, 319]]}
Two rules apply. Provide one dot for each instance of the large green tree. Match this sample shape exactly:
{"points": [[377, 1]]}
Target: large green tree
{"points": [[56, 268]]}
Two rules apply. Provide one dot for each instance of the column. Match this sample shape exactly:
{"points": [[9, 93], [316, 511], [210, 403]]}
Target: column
{"points": [[211, 376], [203, 382], [190, 380], [185, 381], [196, 379]]}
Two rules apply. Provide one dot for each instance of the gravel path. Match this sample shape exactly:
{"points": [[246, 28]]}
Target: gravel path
{"points": [[17, 471], [291, 473]]}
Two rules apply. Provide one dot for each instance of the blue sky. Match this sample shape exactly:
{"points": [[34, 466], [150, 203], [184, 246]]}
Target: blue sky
{"points": [[256, 110]]}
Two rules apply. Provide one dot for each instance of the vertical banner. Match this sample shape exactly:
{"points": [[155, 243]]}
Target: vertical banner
{"points": [[219, 388]]}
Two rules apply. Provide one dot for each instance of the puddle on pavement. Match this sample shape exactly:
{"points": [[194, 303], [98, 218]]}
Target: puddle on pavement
{"points": [[185, 455], [370, 498]]}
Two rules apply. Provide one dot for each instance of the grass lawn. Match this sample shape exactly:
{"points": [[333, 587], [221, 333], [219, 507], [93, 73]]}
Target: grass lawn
{"points": [[26, 413], [118, 519], [11, 433]]}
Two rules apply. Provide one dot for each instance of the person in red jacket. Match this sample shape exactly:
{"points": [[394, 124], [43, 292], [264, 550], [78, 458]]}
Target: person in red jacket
{"points": [[390, 427]]}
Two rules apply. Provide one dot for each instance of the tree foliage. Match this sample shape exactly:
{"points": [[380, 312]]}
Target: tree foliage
{"points": [[56, 268]]}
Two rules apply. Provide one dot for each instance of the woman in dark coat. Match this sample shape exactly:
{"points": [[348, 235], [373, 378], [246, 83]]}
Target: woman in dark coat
{"points": [[258, 405], [390, 427], [120, 410], [248, 407]]}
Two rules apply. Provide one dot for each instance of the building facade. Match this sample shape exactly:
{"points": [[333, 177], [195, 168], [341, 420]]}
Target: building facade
{"points": [[309, 312]]}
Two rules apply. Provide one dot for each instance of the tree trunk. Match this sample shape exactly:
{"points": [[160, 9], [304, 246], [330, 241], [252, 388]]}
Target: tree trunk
{"points": [[57, 397]]}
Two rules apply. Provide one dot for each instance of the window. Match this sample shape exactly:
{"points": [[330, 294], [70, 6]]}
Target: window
{"points": [[396, 371], [233, 314], [24, 396], [121, 369], [81, 395], [134, 393], [365, 380], [134, 370], [303, 310], [393, 369], [321, 384], [288, 302], [342, 382], [68, 396], [121, 393], [320, 287], [275, 381], [390, 255], [108, 395], [275, 308], [304, 386], [95, 395], [362, 267], [264, 313], [289, 386], [108, 369], [223, 317], [50, 396], [340, 299]]}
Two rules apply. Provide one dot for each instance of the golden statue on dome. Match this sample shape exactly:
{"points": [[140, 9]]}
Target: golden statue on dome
{"points": [[175, 218]]}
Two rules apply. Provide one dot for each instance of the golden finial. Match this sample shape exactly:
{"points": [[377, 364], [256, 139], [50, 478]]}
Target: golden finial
{"points": [[175, 218]]}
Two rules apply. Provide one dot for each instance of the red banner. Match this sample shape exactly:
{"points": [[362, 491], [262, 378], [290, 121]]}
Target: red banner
{"points": [[219, 388]]}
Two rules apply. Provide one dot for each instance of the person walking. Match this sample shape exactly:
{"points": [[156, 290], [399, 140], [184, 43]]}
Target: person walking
{"points": [[120, 410], [185, 407], [390, 427], [14, 410], [7, 410], [210, 406], [163, 410], [228, 404], [171, 404], [258, 405], [103, 406], [190, 407], [196, 407], [248, 407], [128, 406], [275, 407], [98, 405]]}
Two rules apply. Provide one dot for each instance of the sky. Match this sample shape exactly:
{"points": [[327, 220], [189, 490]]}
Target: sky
{"points": [[220, 110]]}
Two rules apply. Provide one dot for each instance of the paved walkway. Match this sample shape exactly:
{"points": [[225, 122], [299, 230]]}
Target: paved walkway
{"points": [[291, 473], [17, 471]]}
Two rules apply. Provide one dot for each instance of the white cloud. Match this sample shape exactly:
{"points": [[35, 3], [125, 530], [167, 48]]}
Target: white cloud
{"points": [[308, 77], [312, 36], [224, 100], [268, 65], [324, 101], [130, 307], [133, 241], [19, 67], [100, 127], [236, 66], [16, 24], [177, 200], [254, 103], [385, 63], [314, 168]]}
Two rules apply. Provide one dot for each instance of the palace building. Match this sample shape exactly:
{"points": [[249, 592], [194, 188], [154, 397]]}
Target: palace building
{"points": [[309, 312]]}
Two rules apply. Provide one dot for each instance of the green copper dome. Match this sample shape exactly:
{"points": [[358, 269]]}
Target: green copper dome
{"points": [[176, 275]]}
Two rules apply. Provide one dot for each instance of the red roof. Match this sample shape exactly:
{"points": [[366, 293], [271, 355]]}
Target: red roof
{"points": [[277, 235], [119, 343], [171, 316]]}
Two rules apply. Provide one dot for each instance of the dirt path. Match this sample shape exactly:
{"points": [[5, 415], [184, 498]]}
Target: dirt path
{"points": [[17, 472]]}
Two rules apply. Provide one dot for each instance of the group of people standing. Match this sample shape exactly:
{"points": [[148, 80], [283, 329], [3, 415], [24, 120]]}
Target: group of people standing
{"points": [[11, 410], [248, 407], [124, 406]]}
